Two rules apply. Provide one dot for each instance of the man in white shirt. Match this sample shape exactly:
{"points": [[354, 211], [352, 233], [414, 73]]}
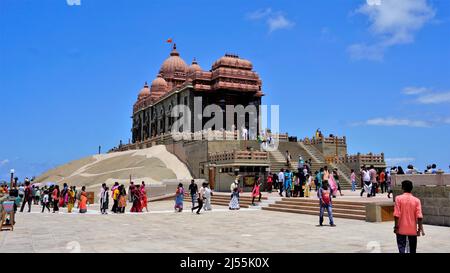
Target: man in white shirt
{"points": [[281, 181], [367, 185], [235, 184]]}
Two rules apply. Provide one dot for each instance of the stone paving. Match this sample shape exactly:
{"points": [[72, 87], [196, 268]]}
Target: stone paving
{"points": [[220, 230]]}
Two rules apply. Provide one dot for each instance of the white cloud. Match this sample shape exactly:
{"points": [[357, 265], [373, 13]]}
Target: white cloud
{"points": [[392, 22], [4, 162], [412, 90], [274, 20], [434, 98], [394, 122], [398, 160]]}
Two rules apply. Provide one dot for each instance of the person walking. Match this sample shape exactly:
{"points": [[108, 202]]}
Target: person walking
{"points": [[269, 183], [338, 183], [71, 199], [136, 197], [122, 199], [281, 181], [144, 199], [179, 198], [366, 182], [256, 191], [201, 196], [27, 197], [382, 178], [234, 202], [288, 182], [104, 199], [408, 219], [115, 196], [55, 198], [45, 202], [353, 179], [207, 199], [325, 201], [83, 202], [193, 189], [373, 180], [288, 159]]}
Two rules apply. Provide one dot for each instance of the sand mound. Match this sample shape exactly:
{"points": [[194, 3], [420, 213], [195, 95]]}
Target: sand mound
{"points": [[151, 165]]}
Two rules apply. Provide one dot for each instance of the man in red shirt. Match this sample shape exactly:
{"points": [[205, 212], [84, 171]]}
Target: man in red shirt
{"points": [[408, 218]]}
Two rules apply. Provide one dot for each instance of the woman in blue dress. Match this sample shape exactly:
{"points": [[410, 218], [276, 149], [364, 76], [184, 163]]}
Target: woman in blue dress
{"points": [[179, 197]]}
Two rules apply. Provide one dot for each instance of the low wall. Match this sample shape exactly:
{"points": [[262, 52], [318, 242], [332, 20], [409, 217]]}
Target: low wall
{"points": [[433, 190]]}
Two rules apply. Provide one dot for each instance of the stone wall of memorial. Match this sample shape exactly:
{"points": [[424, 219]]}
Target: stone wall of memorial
{"points": [[433, 190]]}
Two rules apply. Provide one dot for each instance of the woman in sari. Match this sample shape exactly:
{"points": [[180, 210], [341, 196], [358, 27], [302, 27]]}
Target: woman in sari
{"points": [[83, 202], [179, 198], [55, 198], [122, 199], [144, 202], [71, 200], [136, 197]]}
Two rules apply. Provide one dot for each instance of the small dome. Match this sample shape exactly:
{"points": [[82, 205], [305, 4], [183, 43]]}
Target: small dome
{"points": [[145, 92], [233, 61], [173, 64], [194, 67], [159, 87]]}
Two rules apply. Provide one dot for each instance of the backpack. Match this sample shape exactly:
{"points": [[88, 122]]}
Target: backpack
{"points": [[326, 199]]}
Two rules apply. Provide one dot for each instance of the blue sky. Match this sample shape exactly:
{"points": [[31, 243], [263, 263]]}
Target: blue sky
{"points": [[375, 71]]}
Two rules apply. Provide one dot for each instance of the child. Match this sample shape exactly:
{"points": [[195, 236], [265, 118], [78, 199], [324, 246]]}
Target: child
{"points": [[45, 202], [179, 198]]}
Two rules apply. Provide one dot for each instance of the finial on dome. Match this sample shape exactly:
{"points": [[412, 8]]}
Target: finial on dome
{"points": [[145, 84], [194, 61], [174, 51]]}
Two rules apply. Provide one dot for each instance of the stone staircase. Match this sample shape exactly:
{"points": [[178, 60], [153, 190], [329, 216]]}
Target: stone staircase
{"points": [[341, 209], [244, 201], [278, 162]]}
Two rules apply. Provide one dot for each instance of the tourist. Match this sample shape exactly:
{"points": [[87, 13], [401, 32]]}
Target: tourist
{"points": [[281, 181], [373, 180], [45, 202], [122, 199], [382, 180], [433, 169], [307, 187], [300, 164], [411, 170], [71, 200], [37, 196], [136, 197], [275, 180], [288, 158], [208, 195], [269, 183], [83, 201], [28, 197], [235, 184], [325, 174], [115, 196], [234, 202], [408, 219], [427, 170], [144, 199], [388, 184], [256, 191], [366, 182], [400, 170], [318, 179], [179, 198], [130, 195], [353, 179], [296, 185], [55, 198], [21, 192], [332, 185], [325, 198], [104, 199], [288, 182], [201, 197], [193, 189], [336, 179]]}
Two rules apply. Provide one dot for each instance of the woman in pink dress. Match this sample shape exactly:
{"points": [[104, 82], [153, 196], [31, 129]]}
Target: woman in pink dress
{"points": [[333, 185], [256, 191], [143, 197]]}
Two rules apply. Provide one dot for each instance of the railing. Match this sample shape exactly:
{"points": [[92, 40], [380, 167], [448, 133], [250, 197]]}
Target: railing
{"points": [[438, 179], [238, 156], [326, 140], [358, 158]]}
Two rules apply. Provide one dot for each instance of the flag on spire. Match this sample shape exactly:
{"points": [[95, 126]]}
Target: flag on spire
{"points": [[169, 40]]}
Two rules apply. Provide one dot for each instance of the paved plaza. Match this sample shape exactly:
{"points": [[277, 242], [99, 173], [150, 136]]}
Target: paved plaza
{"points": [[221, 230]]}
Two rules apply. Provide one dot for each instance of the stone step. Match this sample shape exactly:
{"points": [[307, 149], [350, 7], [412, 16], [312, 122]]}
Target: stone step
{"points": [[316, 209], [316, 204], [314, 201], [227, 203], [335, 215]]}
